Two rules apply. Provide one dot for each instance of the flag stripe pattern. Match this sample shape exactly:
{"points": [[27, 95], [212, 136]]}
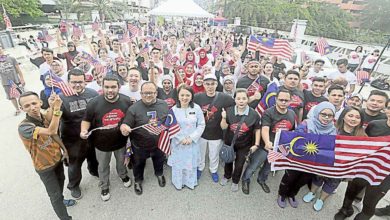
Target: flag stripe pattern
{"points": [[280, 47], [156, 130], [362, 157], [59, 83], [7, 21], [268, 99], [172, 128], [273, 156], [362, 76], [13, 90], [322, 46]]}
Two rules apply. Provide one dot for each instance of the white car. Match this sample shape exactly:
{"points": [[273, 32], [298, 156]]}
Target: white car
{"points": [[297, 60]]}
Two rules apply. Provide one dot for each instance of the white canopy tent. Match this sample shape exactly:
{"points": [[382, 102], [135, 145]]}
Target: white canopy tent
{"points": [[180, 8]]}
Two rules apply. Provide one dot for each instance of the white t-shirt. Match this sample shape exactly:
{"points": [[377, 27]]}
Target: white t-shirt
{"points": [[354, 58], [313, 74], [125, 90], [93, 85], [350, 77], [369, 62]]}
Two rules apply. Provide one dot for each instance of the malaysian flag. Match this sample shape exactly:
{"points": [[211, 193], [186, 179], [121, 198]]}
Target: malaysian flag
{"points": [[228, 45], [156, 130], [322, 46], [269, 98], [134, 30], [14, 92], [95, 25], [144, 50], [362, 76], [254, 87], [168, 60], [77, 30], [171, 128], [271, 46], [336, 156], [124, 38], [89, 58], [273, 156], [219, 46], [44, 35], [7, 21], [59, 83]]}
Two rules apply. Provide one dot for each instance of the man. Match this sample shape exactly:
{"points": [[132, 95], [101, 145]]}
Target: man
{"points": [[167, 92], [278, 117], [155, 55], [96, 85], [373, 194], [107, 111], [38, 132], [343, 74], [376, 103], [254, 92], [314, 96], [317, 70], [48, 55], [355, 100], [148, 111], [211, 103], [336, 96], [291, 83], [116, 50], [10, 72], [133, 88], [73, 109]]}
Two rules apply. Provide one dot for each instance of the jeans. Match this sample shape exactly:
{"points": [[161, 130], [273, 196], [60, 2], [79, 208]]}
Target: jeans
{"points": [[53, 179], [140, 156], [77, 150], [372, 196], [238, 165], [258, 158], [104, 159]]}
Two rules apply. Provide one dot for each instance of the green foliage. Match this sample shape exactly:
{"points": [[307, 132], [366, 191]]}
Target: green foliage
{"points": [[376, 15], [17, 7]]}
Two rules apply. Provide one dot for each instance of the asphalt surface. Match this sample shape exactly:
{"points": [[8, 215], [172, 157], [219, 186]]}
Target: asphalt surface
{"points": [[22, 195]]}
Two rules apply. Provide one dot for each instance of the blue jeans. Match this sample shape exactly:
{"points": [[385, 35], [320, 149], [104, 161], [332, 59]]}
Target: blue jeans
{"points": [[258, 158]]}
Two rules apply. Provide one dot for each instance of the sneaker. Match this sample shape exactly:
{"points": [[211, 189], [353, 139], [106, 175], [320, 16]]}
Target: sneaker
{"points": [[76, 193], [198, 174], [105, 194], [343, 214], [215, 177], [126, 182], [282, 202], [294, 203], [318, 205], [224, 181], [69, 202], [309, 197], [358, 205], [234, 187]]}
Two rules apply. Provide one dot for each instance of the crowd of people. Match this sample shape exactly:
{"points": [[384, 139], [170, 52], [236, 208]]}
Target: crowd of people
{"points": [[212, 84]]}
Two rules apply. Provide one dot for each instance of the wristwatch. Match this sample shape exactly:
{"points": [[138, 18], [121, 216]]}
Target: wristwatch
{"points": [[57, 113]]}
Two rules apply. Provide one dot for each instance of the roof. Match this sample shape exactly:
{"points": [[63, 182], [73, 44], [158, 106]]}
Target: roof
{"points": [[180, 8]]}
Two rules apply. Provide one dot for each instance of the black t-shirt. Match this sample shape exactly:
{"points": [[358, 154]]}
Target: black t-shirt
{"points": [[213, 130], [297, 99], [245, 82], [279, 67], [378, 128], [73, 111], [275, 120], [140, 114], [101, 113], [368, 118], [169, 98], [310, 102], [246, 133]]}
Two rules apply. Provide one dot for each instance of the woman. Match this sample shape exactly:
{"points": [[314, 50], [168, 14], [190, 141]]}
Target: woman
{"points": [[198, 84], [189, 69], [350, 123], [245, 141], [203, 59], [292, 181], [47, 91], [69, 56], [185, 147], [229, 85], [190, 57], [355, 58], [122, 74], [56, 68], [268, 70]]}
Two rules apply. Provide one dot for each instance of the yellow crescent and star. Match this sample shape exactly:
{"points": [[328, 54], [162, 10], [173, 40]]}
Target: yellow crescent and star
{"points": [[272, 94], [310, 148]]}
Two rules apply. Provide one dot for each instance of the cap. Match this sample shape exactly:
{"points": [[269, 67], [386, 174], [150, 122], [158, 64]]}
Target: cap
{"points": [[209, 77], [357, 95], [166, 77], [227, 78]]}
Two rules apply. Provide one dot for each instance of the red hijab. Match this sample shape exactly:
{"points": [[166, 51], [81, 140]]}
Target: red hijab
{"points": [[193, 57], [185, 79], [204, 60], [197, 89]]}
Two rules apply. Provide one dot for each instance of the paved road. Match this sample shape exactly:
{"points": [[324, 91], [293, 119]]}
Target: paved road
{"points": [[22, 194]]}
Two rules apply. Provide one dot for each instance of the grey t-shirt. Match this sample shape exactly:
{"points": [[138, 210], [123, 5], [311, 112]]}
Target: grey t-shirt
{"points": [[8, 71]]}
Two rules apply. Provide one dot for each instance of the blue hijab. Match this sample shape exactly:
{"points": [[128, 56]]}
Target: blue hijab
{"points": [[48, 89], [315, 126]]}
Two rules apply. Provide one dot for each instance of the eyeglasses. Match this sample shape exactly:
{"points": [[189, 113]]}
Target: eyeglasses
{"points": [[283, 100], [148, 93], [324, 115]]}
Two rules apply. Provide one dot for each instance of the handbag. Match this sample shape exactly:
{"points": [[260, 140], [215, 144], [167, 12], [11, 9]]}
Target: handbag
{"points": [[227, 153]]}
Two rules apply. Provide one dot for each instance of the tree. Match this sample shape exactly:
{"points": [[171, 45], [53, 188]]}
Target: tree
{"points": [[107, 10], [376, 15], [15, 8], [68, 6]]}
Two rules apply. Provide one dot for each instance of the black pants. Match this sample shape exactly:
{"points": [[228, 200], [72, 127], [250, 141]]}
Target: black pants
{"points": [[78, 151], [53, 179], [140, 156], [92, 162], [238, 165], [292, 182], [373, 195]]}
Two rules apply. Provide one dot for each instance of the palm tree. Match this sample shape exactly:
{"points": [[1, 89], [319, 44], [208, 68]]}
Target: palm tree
{"points": [[108, 10]]}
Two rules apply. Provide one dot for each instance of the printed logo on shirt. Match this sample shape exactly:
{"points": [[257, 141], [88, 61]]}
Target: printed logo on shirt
{"points": [[208, 115], [296, 101], [252, 89], [113, 117], [282, 125], [171, 102], [153, 118], [310, 105], [78, 105], [244, 128]]}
